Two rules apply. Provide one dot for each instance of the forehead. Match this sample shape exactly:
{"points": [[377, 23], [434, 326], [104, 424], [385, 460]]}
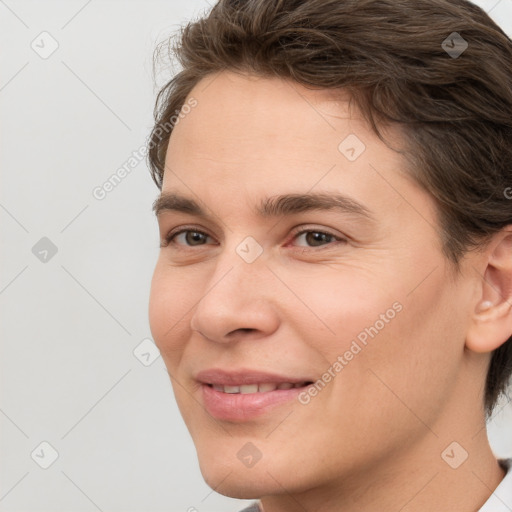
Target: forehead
{"points": [[269, 116], [249, 111], [250, 137]]}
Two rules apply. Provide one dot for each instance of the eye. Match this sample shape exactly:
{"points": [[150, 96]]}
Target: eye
{"points": [[316, 238], [186, 237], [308, 238]]}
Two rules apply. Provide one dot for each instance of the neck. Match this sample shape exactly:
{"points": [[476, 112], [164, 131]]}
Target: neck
{"points": [[426, 477]]}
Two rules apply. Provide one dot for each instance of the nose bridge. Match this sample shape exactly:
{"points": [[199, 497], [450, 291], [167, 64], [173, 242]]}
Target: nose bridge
{"points": [[241, 260], [236, 296], [242, 265]]}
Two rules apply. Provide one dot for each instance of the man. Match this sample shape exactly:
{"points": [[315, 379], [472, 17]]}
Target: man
{"points": [[333, 295]]}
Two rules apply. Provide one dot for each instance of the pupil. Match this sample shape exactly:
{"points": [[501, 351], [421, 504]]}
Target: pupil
{"points": [[194, 236], [314, 237]]}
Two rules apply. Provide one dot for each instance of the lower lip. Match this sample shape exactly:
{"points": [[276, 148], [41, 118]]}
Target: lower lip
{"points": [[244, 407]]}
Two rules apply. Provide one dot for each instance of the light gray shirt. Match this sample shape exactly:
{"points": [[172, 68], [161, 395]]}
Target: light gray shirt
{"points": [[501, 499]]}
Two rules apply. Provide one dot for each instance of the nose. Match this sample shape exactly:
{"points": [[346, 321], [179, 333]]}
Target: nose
{"points": [[238, 303]]}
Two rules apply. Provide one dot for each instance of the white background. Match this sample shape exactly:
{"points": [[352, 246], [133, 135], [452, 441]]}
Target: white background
{"points": [[70, 325]]}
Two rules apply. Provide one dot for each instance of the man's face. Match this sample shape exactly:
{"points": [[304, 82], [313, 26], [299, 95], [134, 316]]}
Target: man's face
{"points": [[361, 304]]}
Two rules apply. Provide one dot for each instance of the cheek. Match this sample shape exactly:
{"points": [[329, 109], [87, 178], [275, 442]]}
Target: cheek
{"points": [[341, 305], [170, 300], [411, 365], [388, 337]]}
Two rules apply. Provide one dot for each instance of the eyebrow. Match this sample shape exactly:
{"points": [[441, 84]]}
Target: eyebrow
{"points": [[275, 206]]}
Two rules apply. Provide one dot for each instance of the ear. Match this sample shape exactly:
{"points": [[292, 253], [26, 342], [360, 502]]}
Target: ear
{"points": [[491, 321]]}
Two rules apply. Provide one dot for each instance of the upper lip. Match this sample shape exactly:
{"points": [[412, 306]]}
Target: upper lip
{"points": [[242, 377]]}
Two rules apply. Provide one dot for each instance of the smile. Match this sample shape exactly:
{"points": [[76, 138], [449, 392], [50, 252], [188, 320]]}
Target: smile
{"points": [[245, 394], [263, 387]]}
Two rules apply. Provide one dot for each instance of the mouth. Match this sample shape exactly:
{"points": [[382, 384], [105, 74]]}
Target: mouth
{"points": [[263, 387], [244, 395]]}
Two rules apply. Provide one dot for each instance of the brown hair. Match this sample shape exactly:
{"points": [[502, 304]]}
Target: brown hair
{"points": [[456, 109]]}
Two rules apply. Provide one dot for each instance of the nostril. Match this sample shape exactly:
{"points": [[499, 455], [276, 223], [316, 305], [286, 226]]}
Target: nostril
{"points": [[242, 329]]}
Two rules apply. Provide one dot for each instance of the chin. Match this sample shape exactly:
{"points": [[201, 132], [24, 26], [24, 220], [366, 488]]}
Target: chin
{"points": [[240, 484], [240, 489], [228, 476]]}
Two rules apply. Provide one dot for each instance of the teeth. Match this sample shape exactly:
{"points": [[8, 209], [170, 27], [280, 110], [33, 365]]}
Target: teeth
{"points": [[249, 388], [264, 387], [267, 386], [231, 389]]}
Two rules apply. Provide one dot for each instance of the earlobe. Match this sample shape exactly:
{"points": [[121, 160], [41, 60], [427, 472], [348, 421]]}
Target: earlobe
{"points": [[491, 321], [484, 306]]}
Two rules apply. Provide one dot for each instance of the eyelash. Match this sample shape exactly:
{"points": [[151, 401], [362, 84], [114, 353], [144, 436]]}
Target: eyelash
{"points": [[169, 239]]}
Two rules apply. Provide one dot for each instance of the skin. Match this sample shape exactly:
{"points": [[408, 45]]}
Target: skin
{"points": [[372, 439]]}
